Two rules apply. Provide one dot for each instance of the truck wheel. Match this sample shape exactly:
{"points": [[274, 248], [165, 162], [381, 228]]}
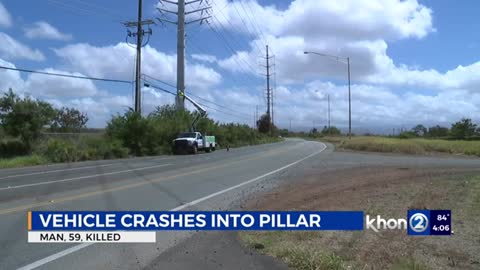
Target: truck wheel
{"points": [[194, 150], [208, 149], [213, 149]]}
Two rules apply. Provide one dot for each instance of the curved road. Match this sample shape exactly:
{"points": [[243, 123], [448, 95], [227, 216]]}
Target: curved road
{"points": [[204, 181], [212, 181]]}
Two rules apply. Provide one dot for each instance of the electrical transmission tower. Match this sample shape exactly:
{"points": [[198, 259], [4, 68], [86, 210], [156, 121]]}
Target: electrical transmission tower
{"points": [[204, 9], [139, 34], [269, 93]]}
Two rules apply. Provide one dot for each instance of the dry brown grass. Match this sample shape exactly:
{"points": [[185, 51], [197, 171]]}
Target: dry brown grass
{"points": [[390, 193]]}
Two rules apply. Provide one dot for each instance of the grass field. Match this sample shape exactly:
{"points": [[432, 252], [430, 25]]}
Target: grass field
{"points": [[37, 159], [407, 146], [22, 161], [330, 250]]}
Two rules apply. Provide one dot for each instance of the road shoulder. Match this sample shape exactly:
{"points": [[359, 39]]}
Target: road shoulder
{"points": [[214, 250]]}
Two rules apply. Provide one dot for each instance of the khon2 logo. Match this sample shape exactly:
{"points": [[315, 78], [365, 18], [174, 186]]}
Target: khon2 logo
{"points": [[418, 223]]}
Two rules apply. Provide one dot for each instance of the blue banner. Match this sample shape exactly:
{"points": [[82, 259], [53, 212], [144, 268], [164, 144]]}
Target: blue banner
{"points": [[193, 220]]}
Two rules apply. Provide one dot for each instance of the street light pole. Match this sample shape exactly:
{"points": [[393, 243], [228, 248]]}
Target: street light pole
{"points": [[349, 102], [349, 92]]}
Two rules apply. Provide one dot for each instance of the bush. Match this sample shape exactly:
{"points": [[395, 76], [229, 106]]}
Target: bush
{"points": [[407, 135], [153, 135], [12, 148], [62, 151], [133, 130], [89, 149], [31, 160], [101, 148]]}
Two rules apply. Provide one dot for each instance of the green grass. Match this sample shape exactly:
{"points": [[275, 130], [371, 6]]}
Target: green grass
{"points": [[407, 146], [36, 159], [292, 248], [22, 161], [408, 264]]}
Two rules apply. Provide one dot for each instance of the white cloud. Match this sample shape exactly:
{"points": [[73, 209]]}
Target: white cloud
{"points": [[54, 86], [43, 30], [5, 18], [9, 78], [13, 49], [118, 61], [205, 58], [359, 29], [372, 106], [343, 19]]}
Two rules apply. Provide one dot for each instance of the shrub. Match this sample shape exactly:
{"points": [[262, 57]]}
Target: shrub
{"points": [[407, 135], [31, 160], [62, 151], [101, 148], [12, 148]]}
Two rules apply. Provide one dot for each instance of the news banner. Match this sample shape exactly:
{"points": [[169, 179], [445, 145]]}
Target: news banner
{"points": [[141, 226]]}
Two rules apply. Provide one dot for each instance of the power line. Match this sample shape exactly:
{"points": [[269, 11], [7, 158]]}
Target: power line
{"points": [[158, 80], [82, 10], [224, 112], [251, 21], [193, 95], [64, 75], [231, 75], [206, 106], [256, 22], [231, 25], [232, 50]]}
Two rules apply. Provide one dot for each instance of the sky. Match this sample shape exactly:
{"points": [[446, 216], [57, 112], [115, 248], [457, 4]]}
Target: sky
{"points": [[412, 62]]}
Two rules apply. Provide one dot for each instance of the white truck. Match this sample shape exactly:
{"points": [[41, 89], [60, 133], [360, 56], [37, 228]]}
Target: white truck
{"points": [[192, 142]]}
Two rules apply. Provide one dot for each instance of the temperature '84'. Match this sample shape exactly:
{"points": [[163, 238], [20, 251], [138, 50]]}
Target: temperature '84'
{"points": [[441, 217]]}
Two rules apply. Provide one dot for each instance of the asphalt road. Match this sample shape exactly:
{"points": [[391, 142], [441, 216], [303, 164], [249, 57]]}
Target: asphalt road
{"points": [[213, 181]]}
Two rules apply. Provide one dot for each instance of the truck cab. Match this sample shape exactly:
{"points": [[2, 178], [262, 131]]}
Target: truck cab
{"points": [[192, 142]]}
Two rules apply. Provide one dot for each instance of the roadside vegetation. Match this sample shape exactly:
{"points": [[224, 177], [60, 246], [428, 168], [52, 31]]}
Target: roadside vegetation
{"points": [[33, 132], [373, 191], [411, 146], [462, 138]]}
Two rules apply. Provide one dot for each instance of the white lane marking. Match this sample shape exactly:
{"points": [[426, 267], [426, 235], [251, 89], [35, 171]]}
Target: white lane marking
{"points": [[59, 170], [80, 177], [73, 249]]}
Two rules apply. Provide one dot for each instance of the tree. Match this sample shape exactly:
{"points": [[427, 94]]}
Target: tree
{"points": [[437, 131], [264, 124], [69, 120], [419, 130], [463, 129], [24, 117], [132, 130], [332, 131]]}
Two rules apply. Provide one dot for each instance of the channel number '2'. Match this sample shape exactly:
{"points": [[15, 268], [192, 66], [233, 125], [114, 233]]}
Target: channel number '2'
{"points": [[418, 222]]}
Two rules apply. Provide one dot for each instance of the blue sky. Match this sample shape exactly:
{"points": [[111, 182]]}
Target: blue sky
{"points": [[405, 58]]}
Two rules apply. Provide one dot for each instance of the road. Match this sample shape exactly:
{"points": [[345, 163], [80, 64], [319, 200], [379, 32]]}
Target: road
{"points": [[214, 181]]}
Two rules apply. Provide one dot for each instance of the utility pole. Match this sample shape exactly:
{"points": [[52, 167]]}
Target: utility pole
{"points": [[138, 67], [256, 113], [269, 90], [273, 89], [328, 111], [180, 99], [181, 23], [290, 125], [349, 102], [139, 44], [268, 85]]}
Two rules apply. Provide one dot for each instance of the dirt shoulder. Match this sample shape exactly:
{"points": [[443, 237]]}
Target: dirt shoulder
{"points": [[386, 191]]}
